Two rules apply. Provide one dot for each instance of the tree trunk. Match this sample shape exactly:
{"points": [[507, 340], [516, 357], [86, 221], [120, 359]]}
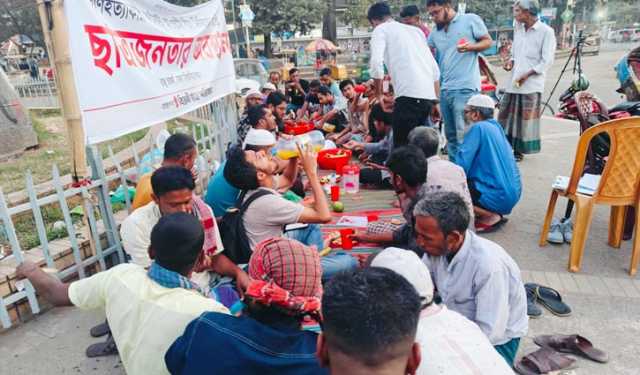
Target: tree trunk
{"points": [[267, 45], [329, 25]]}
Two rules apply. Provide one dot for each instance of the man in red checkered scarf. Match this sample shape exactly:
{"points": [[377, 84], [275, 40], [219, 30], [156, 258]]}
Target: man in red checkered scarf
{"points": [[285, 288], [286, 276]]}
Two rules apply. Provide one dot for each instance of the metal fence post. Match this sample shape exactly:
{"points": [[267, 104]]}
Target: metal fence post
{"points": [[29, 291], [108, 221]]}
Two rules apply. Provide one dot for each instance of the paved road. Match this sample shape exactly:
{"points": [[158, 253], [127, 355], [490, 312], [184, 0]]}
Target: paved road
{"points": [[605, 300]]}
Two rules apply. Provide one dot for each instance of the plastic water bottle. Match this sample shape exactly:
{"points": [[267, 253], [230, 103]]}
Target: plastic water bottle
{"points": [[351, 178]]}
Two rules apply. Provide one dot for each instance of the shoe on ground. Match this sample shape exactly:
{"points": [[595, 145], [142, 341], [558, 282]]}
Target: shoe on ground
{"points": [[533, 310], [556, 235], [567, 230]]}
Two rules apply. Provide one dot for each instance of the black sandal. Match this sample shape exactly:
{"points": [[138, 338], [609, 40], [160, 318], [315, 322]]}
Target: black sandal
{"points": [[102, 349], [100, 330]]}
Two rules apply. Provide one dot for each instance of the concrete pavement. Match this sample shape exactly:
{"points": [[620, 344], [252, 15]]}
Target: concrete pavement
{"points": [[604, 299]]}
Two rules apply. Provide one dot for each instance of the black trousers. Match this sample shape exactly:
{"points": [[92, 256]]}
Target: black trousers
{"points": [[408, 113]]}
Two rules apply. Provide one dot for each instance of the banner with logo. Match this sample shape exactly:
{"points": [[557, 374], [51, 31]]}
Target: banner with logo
{"points": [[137, 63]]}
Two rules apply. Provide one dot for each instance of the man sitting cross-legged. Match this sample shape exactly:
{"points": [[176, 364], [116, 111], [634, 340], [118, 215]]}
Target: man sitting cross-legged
{"points": [[333, 110], [267, 337], [266, 217], [408, 168], [370, 321], [179, 150], [147, 310], [442, 175], [173, 192], [474, 276], [374, 154], [221, 195], [450, 342], [357, 106]]}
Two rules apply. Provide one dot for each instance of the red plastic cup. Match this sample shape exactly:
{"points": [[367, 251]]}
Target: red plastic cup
{"points": [[372, 218], [335, 193], [340, 164], [345, 237]]}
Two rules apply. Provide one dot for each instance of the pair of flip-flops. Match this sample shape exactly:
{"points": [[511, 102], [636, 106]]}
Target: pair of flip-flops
{"points": [[548, 357], [486, 228], [102, 349], [547, 297]]}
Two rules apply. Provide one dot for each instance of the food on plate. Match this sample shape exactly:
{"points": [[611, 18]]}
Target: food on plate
{"points": [[339, 154]]}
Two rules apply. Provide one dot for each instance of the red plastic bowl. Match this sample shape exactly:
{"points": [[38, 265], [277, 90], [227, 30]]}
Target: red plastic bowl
{"points": [[488, 87], [298, 128], [326, 162], [361, 89]]}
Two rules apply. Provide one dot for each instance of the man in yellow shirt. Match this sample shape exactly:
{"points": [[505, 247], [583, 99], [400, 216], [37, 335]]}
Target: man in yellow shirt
{"points": [[179, 150], [146, 310]]}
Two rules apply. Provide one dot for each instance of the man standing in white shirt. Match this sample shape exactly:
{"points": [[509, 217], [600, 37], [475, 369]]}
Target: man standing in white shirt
{"points": [[474, 276], [532, 54], [413, 70]]}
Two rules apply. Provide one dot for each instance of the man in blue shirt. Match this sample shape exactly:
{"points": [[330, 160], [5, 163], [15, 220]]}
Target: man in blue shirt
{"points": [[487, 158], [268, 337], [327, 80], [457, 41]]}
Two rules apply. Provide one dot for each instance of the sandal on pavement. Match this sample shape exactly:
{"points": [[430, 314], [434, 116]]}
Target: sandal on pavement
{"points": [[102, 349], [533, 310], [551, 299], [100, 330], [485, 228], [573, 344], [543, 361]]}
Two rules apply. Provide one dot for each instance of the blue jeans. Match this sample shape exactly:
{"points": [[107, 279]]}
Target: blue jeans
{"points": [[310, 236], [452, 104], [332, 264]]}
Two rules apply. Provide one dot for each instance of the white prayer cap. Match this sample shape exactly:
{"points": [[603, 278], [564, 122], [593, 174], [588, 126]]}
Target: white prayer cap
{"points": [[268, 86], [407, 264], [252, 92], [259, 137], [481, 101]]}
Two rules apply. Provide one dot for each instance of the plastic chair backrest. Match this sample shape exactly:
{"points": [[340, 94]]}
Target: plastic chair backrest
{"points": [[620, 181]]}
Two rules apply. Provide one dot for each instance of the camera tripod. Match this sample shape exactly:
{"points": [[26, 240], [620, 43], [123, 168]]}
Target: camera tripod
{"points": [[576, 57]]}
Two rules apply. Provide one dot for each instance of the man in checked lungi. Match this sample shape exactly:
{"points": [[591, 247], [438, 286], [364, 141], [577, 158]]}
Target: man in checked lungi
{"points": [[532, 54]]}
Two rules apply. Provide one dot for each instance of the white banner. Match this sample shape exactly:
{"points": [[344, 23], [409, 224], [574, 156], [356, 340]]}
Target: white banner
{"points": [[137, 63]]}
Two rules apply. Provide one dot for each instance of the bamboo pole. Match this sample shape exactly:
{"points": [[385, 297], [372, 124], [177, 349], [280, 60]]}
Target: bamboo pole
{"points": [[54, 28]]}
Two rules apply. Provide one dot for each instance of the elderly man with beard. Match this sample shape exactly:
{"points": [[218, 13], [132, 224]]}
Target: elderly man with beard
{"points": [[474, 276]]}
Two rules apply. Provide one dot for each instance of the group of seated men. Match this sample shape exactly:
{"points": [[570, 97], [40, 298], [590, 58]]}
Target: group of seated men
{"points": [[442, 299], [359, 121]]}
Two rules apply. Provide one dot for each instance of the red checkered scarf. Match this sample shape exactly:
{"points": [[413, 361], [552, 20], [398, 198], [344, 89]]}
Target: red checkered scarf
{"points": [[286, 274], [208, 221]]}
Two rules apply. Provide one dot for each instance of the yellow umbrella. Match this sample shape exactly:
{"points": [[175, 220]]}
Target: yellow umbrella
{"points": [[320, 45]]}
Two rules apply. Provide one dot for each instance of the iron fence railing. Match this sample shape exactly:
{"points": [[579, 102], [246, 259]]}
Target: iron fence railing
{"points": [[213, 128]]}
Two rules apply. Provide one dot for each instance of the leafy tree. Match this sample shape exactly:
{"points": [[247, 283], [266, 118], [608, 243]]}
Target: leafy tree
{"points": [[278, 16], [355, 15], [494, 13], [20, 17]]}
